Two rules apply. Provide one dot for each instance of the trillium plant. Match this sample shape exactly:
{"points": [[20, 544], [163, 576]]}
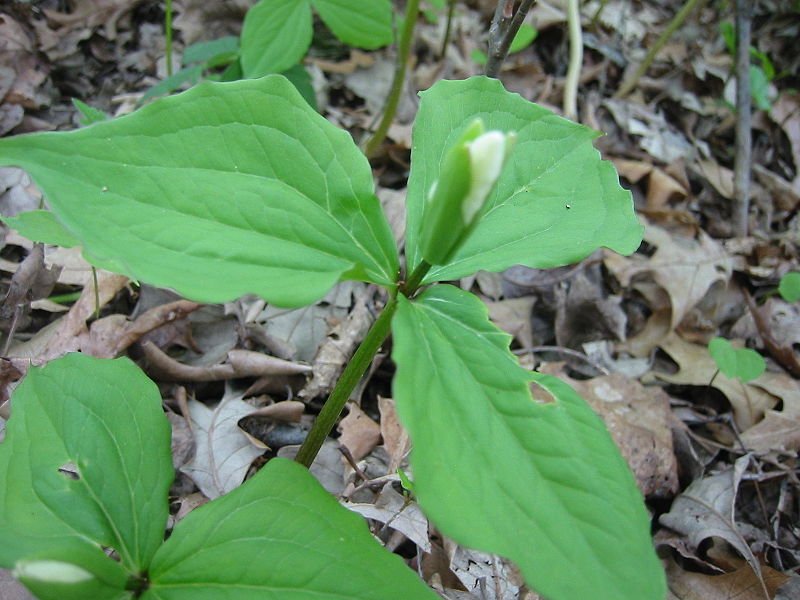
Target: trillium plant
{"points": [[234, 188]]}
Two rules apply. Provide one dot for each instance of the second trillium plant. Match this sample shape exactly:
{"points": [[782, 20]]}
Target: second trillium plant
{"points": [[240, 188]]}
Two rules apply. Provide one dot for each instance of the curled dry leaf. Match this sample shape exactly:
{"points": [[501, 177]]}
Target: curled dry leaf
{"points": [[778, 322], [110, 336], [780, 429], [288, 411], [684, 267], [240, 363], [393, 510], [706, 509]]}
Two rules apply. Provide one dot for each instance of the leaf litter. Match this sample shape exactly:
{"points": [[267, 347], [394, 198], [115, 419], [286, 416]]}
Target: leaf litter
{"points": [[715, 457]]}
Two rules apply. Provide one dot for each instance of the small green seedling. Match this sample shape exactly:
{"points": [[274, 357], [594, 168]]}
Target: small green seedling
{"points": [[762, 75], [241, 187], [743, 363], [526, 35], [789, 286], [276, 34]]}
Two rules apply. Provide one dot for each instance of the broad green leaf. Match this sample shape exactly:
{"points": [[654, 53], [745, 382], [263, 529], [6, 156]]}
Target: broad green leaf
{"points": [[789, 286], [226, 189], [73, 573], [280, 536], [301, 79], [105, 418], [556, 201], [42, 226], [744, 363], [208, 51], [275, 36], [362, 23], [539, 483]]}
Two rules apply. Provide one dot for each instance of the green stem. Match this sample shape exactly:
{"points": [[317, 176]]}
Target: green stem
{"points": [[347, 382], [677, 21], [448, 30], [415, 279], [168, 32], [409, 21]]}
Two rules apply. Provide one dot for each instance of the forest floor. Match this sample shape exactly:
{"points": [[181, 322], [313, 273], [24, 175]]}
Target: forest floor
{"points": [[630, 333]]}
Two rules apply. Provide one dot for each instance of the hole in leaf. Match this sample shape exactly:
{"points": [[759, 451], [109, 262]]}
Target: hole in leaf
{"points": [[541, 395], [69, 470]]}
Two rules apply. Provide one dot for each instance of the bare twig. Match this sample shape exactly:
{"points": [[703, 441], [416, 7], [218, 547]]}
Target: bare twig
{"points": [[575, 60], [677, 21], [505, 25], [741, 170]]}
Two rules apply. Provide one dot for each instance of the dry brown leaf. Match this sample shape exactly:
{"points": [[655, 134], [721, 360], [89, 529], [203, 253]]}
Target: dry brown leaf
{"points": [[685, 267], [337, 349], [741, 584], [110, 336], [779, 430], [638, 419], [721, 178], [393, 510], [223, 452], [706, 509], [357, 59], [778, 322], [696, 367], [240, 363], [360, 434], [585, 313], [328, 467], [64, 335], [514, 317], [395, 437], [88, 14], [786, 113]]}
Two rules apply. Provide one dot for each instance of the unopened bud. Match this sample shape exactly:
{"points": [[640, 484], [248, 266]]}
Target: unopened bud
{"points": [[468, 175]]}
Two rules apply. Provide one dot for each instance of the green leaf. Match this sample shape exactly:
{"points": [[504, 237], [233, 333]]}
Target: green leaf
{"points": [[301, 79], [278, 536], [74, 573], [275, 36], [759, 88], [524, 38], [539, 483], [191, 75], [208, 51], [789, 286], [556, 201], [744, 363], [479, 57], [89, 114], [105, 417], [42, 226], [363, 23], [226, 189]]}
